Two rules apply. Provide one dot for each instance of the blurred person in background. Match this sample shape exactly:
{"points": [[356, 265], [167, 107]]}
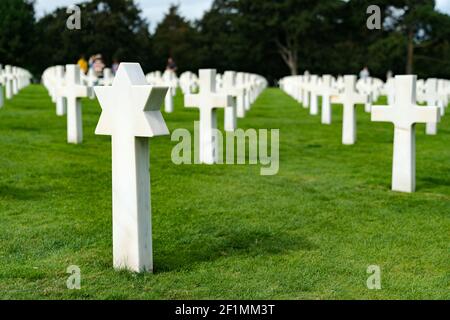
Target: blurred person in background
{"points": [[98, 65], [83, 64]]}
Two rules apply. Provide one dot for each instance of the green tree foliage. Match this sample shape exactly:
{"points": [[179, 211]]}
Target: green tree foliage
{"points": [[176, 37], [17, 31], [414, 19], [269, 37], [113, 28]]}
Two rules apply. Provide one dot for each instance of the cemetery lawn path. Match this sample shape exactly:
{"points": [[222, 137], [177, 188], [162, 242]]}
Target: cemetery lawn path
{"points": [[310, 232]]}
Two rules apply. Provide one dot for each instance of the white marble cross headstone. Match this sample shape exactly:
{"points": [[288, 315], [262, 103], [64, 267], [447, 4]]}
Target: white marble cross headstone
{"points": [[240, 101], [60, 100], [15, 82], [248, 91], [305, 90], [73, 91], [390, 90], [349, 98], [1, 96], [443, 96], [170, 80], [91, 80], [8, 82], [367, 89], [229, 88], [326, 91], [431, 97], [314, 99], [131, 115], [208, 100], [1, 86], [404, 113]]}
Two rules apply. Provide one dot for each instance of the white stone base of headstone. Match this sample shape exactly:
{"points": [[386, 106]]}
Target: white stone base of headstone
{"points": [[74, 122], [230, 119], [15, 87], [240, 106], [441, 107], [168, 102], [132, 228], [326, 109], [431, 129], [349, 124], [404, 161], [60, 106], [1, 97], [247, 103], [208, 143], [305, 99], [8, 89], [314, 109], [299, 95]]}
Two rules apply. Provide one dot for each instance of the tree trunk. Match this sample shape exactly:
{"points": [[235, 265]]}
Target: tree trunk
{"points": [[293, 65], [289, 55], [410, 58]]}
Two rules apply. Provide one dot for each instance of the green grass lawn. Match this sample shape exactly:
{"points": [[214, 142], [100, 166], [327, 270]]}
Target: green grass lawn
{"points": [[225, 232]]}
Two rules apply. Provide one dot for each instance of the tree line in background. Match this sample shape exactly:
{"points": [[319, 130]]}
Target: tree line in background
{"points": [[271, 38]]}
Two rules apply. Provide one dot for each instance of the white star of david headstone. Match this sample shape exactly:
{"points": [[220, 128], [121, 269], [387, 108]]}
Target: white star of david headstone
{"points": [[131, 114]]}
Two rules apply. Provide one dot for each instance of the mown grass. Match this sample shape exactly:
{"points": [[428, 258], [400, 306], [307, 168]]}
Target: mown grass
{"points": [[309, 232]]}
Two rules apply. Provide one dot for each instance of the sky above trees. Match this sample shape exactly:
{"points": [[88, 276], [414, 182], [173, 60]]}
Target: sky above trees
{"points": [[153, 10]]}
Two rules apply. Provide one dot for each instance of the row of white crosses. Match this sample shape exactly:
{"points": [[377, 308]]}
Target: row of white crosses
{"points": [[248, 85], [66, 89], [188, 82], [371, 87], [167, 79], [67, 86], [402, 110], [307, 89], [13, 79], [433, 92], [346, 90], [232, 97]]}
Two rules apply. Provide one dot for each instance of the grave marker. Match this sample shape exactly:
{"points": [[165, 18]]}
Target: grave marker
{"points": [[208, 100], [229, 88], [240, 101], [60, 100], [73, 91], [326, 93], [314, 99], [431, 95], [8, 82], [404, 113], [349, 98], [131, 115]]}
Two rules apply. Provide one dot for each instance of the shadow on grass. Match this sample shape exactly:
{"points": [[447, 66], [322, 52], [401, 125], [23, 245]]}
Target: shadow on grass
{"points": [[228, 243], [431, 182], [26, 129], [19, 193]]}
